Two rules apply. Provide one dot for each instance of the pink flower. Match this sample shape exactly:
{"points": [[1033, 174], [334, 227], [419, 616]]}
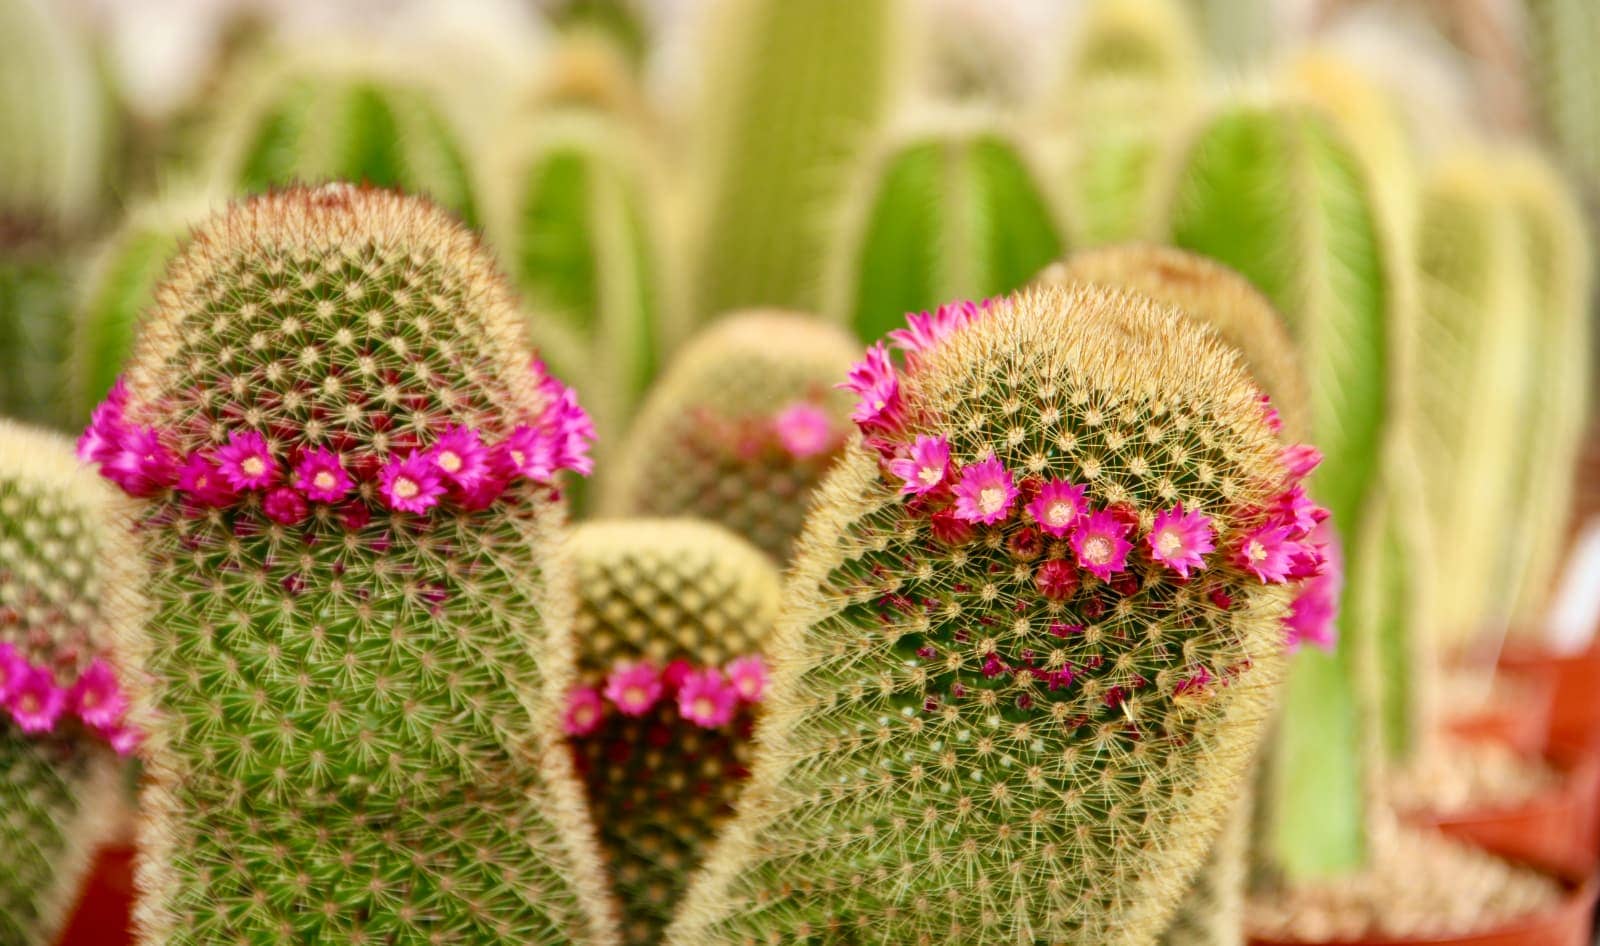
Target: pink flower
{"points": [[284, 505], [1099, 540], [321, 477], [1300, 459], [924, 332], [36, 703], [985, 493], [13, 667], [877, 387], [124, 740], [1270, 412], [1057, 506], [706, 699], [634, 687], [1293, 509], [583, 712], [1268, 552], [528, 452], [105, 431], [202, 480], [97, 698], [141, 464], [245, 461], [1057, 580], [461, 457], [948, 527], [927, 466], [804, 430], [1179, 539], [749, 678], [1194, 682], [1315, 610], [411, 484], [566, 422]]}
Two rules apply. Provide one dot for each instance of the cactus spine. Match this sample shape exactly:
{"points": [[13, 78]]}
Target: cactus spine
{"points": [[683, 597], [951, 207], [740, 429], [360, 626], [797, 92], [998, 719], [59, 788]]}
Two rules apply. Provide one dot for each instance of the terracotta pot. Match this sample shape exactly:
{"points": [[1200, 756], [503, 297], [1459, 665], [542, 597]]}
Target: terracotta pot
{"points": [[1569, 924], [1522, 723], [1575, 710], [102, 914]]}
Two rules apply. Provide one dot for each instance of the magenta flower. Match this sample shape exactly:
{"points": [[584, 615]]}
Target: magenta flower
{"points": [[411, 484], [804, 430], [36, 703], [877, 387], [1295, 510], [13, 667], [634, 687], [461, 457], [141, 464], [97, 698], [320, 475], [285, 506], [566, 422], [583, 712], [1057, 506], [1301, 459], [924, 332], [1099, 540], [124, 740], [246, 462], [202, 480], [927, 466], [101, 438], [1314, 613], [528, 452], [706, 699], [1180, 539], [1057, 580], [985, 493], [1270, 412], [748, 675], [1268, 552]]}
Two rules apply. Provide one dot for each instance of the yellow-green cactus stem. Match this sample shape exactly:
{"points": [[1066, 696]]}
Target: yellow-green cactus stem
{"points": [[1561, 39]]}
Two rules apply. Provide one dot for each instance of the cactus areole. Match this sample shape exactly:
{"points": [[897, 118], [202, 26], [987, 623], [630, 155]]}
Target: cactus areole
{"points": [[1028, 642]]}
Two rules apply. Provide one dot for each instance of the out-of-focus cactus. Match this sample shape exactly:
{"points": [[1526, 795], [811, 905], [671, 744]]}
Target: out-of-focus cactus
{"points": [[1212, 911], [796, 93], [60, 703], [950, 207], [740, 429], [360, 627], [1562, 38], [679, 610], [1029, 641], [1238, 33]]}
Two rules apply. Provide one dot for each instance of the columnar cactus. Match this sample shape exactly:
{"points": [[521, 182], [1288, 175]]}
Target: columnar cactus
{"points": [[740, 429], [951, 206], [61, 706], [797, 91], [673, 616], [343, 473], [1562, 36], [1028, 643], [341, 116]]}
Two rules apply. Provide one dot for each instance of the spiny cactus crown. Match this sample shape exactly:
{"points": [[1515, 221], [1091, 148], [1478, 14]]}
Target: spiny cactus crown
{"points": [[740, 429], [1028, 641], [673, 616], [353, 667]]}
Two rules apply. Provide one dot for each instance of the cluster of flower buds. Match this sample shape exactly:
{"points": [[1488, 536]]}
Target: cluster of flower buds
{"points": [[706, 696], [459, 467], [37, 704]]}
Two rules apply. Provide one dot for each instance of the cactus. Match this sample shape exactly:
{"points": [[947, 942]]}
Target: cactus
{"points": [[798, 90], [342, 474], [1212, 912], [1028, 644], [678, 597], [341, 116], [59, 701], [740, 429], [1274, 190], [949, 207], [1562, 36]]}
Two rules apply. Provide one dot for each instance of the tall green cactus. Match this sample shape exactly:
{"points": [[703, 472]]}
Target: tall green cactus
{"points": [[360, 632], [686, 605], [996, 715], [1562, 36], [740, 429], [952, 206], [59, 783], [1274, 190], [797, 91]]}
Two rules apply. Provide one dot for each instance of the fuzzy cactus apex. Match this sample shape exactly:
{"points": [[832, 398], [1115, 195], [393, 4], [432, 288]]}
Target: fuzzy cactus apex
{"points": [[1028, 643], [343, 472]]}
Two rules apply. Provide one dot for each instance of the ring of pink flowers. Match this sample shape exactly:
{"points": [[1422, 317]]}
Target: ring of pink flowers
{"points": [[601, 696], [121, 737]]}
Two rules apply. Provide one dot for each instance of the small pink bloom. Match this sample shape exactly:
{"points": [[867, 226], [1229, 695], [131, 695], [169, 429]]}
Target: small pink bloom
{"points": [[749, 678], [1300, 459], [246, 462], [1099, 540], [105, 431], [677, 671], [202, 480], [410, 485], [1179, 539], [583, 712], [566, 423], [1314, 613], [706, 699], [927, 466], [355, 516], [36, 703], [1268, 552], [528, 452], [1274, 421], [124, 740], [634, 687], [950, 528], [1058, 505], [461, 457], [141, 464], [925, 332], [1057, 580], [874, 381], [321, 476], [284, 505], [1293, 509], [985, 492], [488, 489], [97, 698], [804, 430], [13, 667]]}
